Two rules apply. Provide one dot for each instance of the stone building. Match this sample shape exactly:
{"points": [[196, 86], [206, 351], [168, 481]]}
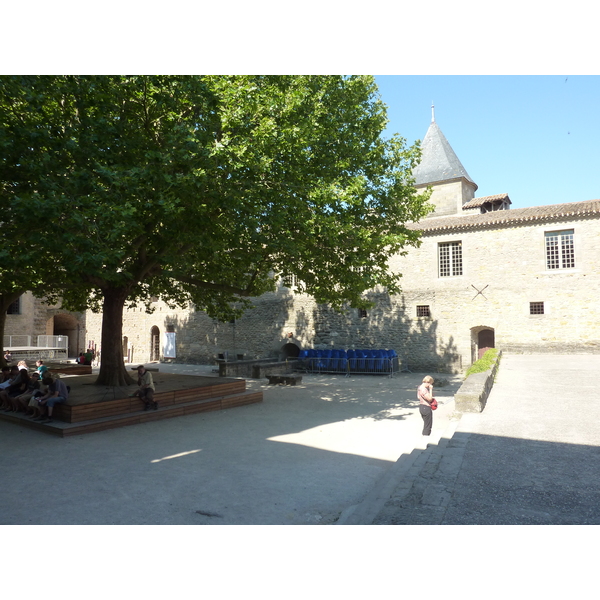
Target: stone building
{"points": [[29, 317], [485, 275]]}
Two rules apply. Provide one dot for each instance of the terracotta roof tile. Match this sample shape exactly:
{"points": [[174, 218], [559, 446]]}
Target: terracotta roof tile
{"points": [[515, 216]]}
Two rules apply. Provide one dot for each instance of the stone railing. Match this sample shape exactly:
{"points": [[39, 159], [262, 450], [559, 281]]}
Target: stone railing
{"points": [[255, 369], [32, 354], [260, 371], [473, 393]]}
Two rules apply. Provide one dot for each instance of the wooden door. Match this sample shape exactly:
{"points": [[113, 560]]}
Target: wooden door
{"points": [[485, 341]]}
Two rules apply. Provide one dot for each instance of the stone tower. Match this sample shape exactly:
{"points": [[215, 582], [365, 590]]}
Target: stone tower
{"points": [[443, 172]]}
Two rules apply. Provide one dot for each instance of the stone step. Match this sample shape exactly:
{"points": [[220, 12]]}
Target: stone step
{"points": [[403, 479]]}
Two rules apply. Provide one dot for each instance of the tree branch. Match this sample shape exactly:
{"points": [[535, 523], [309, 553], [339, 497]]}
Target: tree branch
{"points": [[217, 287]]}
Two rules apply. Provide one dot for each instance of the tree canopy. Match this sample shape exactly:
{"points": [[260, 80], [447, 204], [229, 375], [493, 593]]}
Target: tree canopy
{"points": [[205, 189], [26, 260]]}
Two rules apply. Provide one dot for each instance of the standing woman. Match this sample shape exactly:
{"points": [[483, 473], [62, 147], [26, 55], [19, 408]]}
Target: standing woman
{"points": [[425, 397]]}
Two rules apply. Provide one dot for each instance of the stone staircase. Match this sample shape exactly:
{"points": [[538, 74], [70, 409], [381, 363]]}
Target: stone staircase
{"points": [[416, 489]]}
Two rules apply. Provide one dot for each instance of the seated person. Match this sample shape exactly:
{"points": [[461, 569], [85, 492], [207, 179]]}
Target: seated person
{"points": [[36, 410], [18, 386], [88, 356], [41, 368], [12, 373], [22, 401], [146, 388], [5, 375], [57, 394]]}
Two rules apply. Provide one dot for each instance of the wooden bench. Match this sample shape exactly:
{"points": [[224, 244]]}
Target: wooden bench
{"points": [[284, 379], [69, 369]]}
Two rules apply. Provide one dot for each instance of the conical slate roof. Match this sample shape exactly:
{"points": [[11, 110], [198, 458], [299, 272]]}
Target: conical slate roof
{"points": [[438, 162]]}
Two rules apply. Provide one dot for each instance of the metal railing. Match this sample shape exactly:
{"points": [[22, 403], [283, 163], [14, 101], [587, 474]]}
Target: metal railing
{"points": [[14, 341], [53, 341], [43, 341], [351, 362]]}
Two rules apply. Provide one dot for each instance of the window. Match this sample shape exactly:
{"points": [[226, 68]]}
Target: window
{"points": [[450, 259], [290, 281], [536, 308], [14, 308], [362, 313], [560, 252], [423, 311]]}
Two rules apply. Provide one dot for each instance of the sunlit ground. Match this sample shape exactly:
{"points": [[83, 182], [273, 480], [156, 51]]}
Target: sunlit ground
{"points": [[157, 460]]}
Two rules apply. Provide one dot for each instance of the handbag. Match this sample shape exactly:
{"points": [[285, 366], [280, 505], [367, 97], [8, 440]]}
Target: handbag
{"points": [[434, 404]]}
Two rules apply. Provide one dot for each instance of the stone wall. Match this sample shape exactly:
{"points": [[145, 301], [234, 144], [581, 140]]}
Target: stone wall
{"points": [[474, 392], [24, 323], [37, 318], [507, 265], [449, 197], [503, 271]]}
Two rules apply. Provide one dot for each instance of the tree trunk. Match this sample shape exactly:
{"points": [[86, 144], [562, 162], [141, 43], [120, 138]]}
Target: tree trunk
{"points": [[112, 366]]}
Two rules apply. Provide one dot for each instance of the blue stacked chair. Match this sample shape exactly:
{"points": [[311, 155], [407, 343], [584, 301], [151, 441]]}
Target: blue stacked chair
{"points": [[352, 359], [385, 359], [303, 358], [360, 363], [326, 361], [369, 360], [335, 355], [312, 359], [319, 364], [357, 360]]}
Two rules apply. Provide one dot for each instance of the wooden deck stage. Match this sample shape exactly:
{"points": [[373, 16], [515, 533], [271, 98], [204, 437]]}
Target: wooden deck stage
{"points": [[92, 408]]}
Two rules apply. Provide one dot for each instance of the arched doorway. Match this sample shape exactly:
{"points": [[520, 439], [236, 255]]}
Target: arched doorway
{"points": [[154, 344], [65, 324], [482, 338], [290, 350], [485, 341]]}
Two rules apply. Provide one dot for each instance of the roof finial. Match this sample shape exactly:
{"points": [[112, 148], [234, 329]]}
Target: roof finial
{"points": [[432, 112]]}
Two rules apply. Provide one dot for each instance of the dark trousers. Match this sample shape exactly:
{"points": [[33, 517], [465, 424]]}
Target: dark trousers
{"points": [[427, 415], [146, 395]]}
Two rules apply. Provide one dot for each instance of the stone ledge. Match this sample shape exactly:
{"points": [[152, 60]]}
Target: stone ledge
{"points": [[473, 393], [255, 369], [284, 379], [260, 371]]}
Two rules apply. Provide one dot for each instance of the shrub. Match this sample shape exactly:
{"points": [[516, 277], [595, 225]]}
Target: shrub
{"points": [[484, 363]]}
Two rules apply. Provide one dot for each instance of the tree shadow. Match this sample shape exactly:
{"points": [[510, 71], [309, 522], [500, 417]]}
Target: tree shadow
{"points": [[262, 331], [387, 325]]}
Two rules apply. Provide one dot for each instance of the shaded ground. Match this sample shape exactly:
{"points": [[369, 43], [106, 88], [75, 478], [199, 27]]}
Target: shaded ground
{"points": [[531, 457], [84, 390], [300, 457]]}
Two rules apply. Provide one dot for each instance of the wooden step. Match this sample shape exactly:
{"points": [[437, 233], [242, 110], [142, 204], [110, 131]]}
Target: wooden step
{"points": [[122, 406], [137, 416]]}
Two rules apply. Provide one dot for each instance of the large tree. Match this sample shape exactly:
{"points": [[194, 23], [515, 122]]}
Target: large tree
{"points": [[29, 151], [204, 189]]}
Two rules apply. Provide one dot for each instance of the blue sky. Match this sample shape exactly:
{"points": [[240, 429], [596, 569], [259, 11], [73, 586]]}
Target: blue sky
{"points": [[536, 138]]}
